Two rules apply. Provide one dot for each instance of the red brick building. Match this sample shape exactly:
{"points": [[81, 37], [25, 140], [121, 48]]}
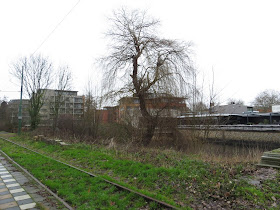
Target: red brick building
{"points": [[108, 114], [162, 105], [128, 110]]}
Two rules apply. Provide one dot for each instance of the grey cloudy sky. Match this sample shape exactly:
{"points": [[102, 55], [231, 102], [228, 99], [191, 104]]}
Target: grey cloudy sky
{"points": [[239, 39]]}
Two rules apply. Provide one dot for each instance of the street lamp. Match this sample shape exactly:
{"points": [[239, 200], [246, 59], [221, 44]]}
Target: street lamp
{"points": [[20, 105]]}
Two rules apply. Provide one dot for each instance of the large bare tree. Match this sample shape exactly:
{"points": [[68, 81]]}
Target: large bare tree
{"points": [[143, 62], [37, 76]]}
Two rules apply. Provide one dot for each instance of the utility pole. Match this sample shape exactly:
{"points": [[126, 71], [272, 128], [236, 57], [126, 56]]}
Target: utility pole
{"points": [[20, 105]]}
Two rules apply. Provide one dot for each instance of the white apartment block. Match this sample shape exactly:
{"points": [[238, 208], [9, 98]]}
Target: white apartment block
{"points": [[69, 103]]}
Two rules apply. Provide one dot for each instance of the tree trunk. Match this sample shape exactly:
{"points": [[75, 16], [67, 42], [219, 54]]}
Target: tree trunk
{"points": [[55, 123], [149, 132], [149, 121]]}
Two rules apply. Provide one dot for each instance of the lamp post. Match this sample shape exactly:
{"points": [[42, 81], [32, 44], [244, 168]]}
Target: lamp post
{"points": [[20, 105]]}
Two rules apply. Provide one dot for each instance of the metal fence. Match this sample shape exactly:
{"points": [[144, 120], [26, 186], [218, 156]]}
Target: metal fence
{"points": [[233, 127]]}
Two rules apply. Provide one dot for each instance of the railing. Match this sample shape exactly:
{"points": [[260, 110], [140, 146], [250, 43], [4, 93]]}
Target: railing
{"points": [[233, 127]]}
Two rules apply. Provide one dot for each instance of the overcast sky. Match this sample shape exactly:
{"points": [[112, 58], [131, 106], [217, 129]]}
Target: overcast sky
{"points": [[239, 40]]}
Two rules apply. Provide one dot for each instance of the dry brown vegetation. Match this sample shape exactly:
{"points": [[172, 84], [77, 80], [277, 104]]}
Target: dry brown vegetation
{"points": [[172, 144]]}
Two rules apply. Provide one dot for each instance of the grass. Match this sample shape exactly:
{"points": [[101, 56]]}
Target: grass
{"points": [[276, 151], [166, 175], [78, 189]]}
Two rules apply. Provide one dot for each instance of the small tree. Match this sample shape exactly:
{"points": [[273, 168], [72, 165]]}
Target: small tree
{"points": [[144, 62], [36, 77]]}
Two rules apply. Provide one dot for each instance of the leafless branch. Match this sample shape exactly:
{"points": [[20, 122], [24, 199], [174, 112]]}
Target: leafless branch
{"points": [[148, 62]]}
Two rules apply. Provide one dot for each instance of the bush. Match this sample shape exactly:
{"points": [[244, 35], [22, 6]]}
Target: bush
{"points": [[121, 132]]}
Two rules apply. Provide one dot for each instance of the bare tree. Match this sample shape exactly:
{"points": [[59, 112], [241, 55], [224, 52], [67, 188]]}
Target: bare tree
{"points": [[197, 102], [143, 62], [63, 83], [213, 95], [235, 101], [266, 99], [37, 76], [91, 115]]}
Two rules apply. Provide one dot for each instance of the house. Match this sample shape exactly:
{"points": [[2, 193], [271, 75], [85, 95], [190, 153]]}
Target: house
{"points": [[162, 105], [108, 114]]}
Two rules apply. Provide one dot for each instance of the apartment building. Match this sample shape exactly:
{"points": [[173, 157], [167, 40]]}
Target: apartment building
{"points": [[14, 109], [66, 102]]}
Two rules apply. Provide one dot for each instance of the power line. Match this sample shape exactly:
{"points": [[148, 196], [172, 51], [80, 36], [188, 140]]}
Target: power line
{"points": [[8, 91], [56, 27]]}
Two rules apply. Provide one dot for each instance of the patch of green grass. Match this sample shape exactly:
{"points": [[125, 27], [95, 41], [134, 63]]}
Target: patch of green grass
{"points": [[170, 177], [78, 189], [252, 193], [276, 151]]}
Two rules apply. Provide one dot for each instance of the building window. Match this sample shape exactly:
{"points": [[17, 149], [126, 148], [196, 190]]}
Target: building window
{"points": [[249, 109], [136, 101], [78, 100]]}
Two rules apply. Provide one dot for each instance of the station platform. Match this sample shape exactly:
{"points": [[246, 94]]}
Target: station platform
{"points": [[19, 191], [12, 195]]}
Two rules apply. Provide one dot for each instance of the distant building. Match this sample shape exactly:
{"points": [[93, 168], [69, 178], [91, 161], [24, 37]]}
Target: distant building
{"points": [[14, 110], [69, 103], [4, 116], [108, 114], [231, 109], [3, 110], [162, 105], [276, 108]]}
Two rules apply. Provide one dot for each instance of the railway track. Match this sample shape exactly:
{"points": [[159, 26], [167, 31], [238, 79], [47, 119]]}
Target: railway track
{"points": [[160, 204]]}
